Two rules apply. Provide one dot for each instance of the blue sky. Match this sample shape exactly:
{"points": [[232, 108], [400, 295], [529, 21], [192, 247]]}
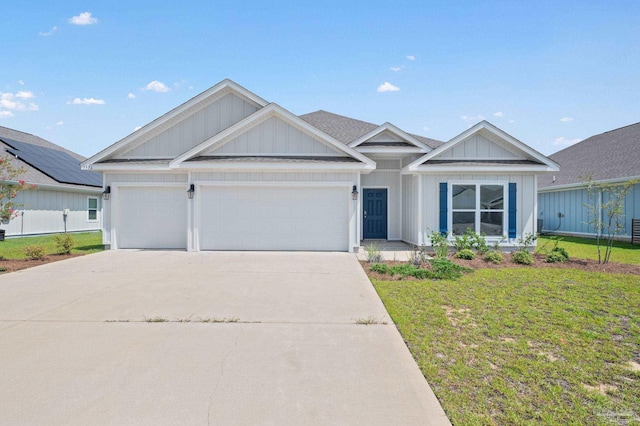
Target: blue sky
{"points": [[84, 74]]}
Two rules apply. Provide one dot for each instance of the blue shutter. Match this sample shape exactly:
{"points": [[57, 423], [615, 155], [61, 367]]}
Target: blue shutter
{"points": [[512, 210], [443, 208]]}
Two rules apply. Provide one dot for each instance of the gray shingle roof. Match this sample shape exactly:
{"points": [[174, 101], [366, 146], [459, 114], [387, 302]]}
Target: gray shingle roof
{"points": [[347, 129], [610, 155], [33, 175]]}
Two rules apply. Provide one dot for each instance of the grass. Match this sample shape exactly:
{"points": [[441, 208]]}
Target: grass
{"points": [[525, 346], [586, 248], [85, 243]]}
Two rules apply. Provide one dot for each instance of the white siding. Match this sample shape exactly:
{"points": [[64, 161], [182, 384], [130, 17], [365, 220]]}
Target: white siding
{"points": [[386, 137], [390, 180], [526, 199], [477, 146], [42, 212], [193, 129], [274, 136], [410, 208]]}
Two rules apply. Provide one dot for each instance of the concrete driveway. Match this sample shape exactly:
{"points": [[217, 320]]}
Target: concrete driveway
{"points": [[238, 339]]}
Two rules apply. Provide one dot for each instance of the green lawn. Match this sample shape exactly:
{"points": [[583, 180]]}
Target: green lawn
{"points": [[85, 243], [586, 248], [525, 346]]}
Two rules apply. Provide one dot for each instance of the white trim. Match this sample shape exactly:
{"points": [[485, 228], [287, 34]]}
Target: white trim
{"points": [[289, 167], [420, 219], [393, 129], [390, 149], [477, 209], [111, 167], [207, 97], [493, 169], [49, 187], [483, 125], [97, 209], [387, 188], [347, 184], [271, 110], [581, 185]]}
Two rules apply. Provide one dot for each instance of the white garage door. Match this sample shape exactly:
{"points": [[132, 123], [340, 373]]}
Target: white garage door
{"points": [[273, 218], [152, 217]]}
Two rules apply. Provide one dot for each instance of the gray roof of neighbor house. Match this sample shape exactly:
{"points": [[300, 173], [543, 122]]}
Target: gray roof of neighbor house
{"points": [[347, 130], [34, 174], [610, 155]]}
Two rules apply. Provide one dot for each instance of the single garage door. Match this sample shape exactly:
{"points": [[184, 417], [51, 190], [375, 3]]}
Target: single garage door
{"points": [[274, 218], [152, 217]]}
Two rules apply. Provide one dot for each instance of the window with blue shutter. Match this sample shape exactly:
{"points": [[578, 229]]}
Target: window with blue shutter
{"points": [[444, 198], [512, 210]]}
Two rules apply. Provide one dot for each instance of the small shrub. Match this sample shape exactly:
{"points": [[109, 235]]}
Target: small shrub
{"points": [[64, 243], [419, 255], [34, 252], [522, 257], [444, 269], [562, 252], [527, 242], [464, 242], [440, 244], [381, 268], [465, 254], [557, 255], [3, 269], [493, 257], [480, 243], [373, 253]]}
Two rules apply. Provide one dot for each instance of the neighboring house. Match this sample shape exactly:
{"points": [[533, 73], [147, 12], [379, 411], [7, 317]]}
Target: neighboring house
{"points": [[228, 170], [612, 157], [65, 198]]}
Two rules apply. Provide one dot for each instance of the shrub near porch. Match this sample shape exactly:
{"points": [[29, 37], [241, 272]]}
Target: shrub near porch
{"points": [[525, 345]]}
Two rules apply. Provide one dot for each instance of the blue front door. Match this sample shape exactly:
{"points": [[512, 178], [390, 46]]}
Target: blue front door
{"points": [[374, 213]]}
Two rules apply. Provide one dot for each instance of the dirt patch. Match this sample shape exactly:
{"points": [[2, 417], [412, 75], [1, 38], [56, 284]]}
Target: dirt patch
{"points": [[12, 265], [601, 388], [538, 262]]}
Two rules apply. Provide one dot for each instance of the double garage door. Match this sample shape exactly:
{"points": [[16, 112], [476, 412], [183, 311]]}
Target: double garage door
{"points": [[236, 217]]}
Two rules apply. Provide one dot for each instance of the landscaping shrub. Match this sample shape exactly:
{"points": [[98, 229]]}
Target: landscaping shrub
{"points": [[381, 268], [444, 269], [418, 256], [64, 243], [373, 253], [522, 257], [557, 254], [3, 269], [34, 252], [440, 244], [465, 254], [493, 257], [464, 242], [480, 243]]}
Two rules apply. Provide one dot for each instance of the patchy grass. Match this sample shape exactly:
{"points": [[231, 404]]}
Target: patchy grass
{"points": [[525, 345], [85, 243], [586, 248]]}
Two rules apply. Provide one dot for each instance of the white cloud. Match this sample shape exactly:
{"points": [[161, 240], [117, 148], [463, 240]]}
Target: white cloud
{"points": [[5, 114], [59, 123], [86, 101], [21, 83], [135, 129], [131, 96], [84, 18], [411, 57], [48, 33], [566, 119], [387, 87], [426, 129], [565, 142], [478, 117], [157, 86], [498, 114], [395, 69], [15, 102]]}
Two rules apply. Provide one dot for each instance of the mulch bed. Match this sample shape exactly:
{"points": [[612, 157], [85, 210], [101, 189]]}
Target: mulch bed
{"points": [[539, 262], [17, 264]]}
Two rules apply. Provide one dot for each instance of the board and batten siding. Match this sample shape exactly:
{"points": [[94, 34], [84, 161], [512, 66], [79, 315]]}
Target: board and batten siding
{"points": [[391, 180], [194, 129], [42, 212], [477, 146], [272, 137], [526, 200], [133, 178], [410, 208]]}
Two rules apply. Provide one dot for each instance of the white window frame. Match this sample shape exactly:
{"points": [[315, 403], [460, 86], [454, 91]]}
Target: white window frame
{"points": [[477, 209], [97, 209]]}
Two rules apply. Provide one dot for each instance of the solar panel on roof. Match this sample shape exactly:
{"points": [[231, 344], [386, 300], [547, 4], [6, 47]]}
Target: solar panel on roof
{"points": [[56, 164]]}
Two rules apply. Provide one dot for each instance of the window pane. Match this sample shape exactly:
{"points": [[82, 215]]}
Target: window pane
{"points": [[491, 197], [463, 196], [93, 203], [462, 221], [491, 223], [93, 214]]}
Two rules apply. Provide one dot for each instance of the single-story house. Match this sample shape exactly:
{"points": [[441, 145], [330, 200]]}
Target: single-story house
{"points": [[610, 157], [228, 170], [65, 197]]}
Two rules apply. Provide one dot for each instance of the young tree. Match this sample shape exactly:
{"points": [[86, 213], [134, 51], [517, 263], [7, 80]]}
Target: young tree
{"points": [[10, 185], [606, 217]]}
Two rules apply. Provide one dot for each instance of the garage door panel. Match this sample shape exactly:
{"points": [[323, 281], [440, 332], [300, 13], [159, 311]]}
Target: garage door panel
{"points": [[274, 218], [152, 217]]}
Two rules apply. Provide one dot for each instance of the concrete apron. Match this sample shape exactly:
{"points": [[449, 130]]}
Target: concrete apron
{"points": [[267, 338]]}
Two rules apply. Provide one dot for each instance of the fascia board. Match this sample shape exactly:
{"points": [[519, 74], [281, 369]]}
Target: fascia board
{"points": [[480, 169], [393, 129], [162, 120], [208, 166]]}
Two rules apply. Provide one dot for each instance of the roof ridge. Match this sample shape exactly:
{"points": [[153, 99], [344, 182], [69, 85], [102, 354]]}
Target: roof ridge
{"points": [[339, 115]]}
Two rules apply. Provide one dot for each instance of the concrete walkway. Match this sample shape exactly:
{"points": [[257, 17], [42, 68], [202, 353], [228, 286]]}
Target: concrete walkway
{"points": [[161, 337]]}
